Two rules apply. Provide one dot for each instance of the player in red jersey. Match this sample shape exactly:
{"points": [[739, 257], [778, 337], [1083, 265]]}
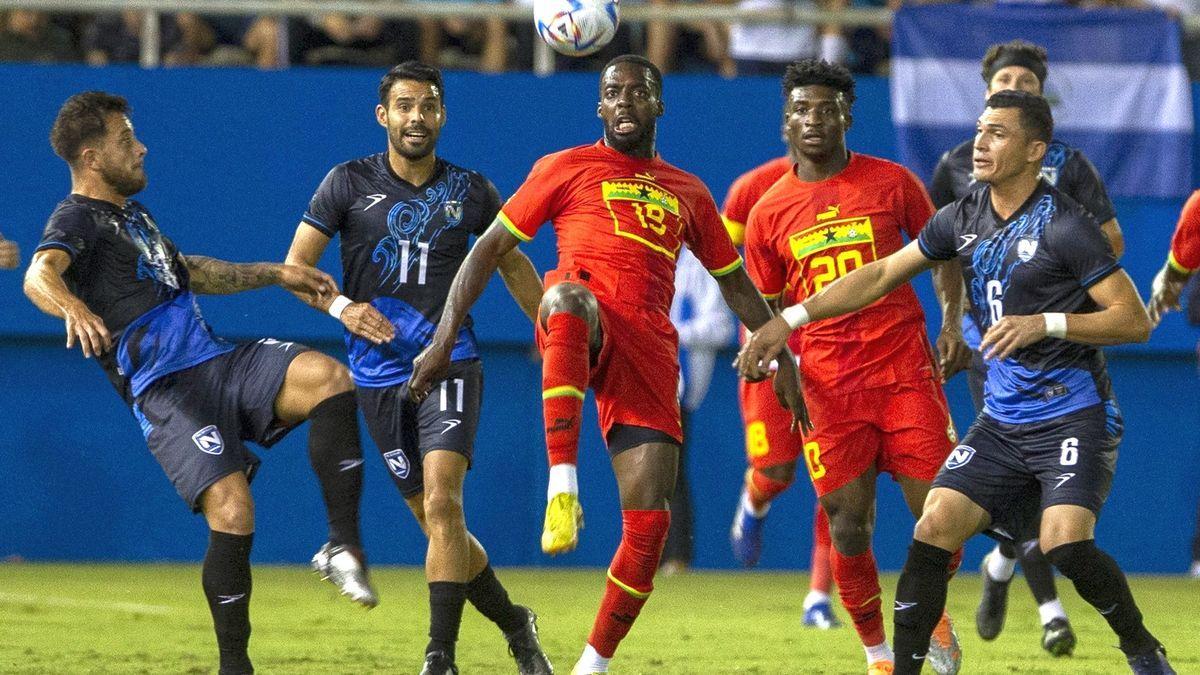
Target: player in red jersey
{"points": [[620, 214], [1183, 260], [772, 447], [871, 379]]}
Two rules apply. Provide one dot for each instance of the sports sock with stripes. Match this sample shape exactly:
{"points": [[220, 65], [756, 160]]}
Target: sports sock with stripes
{"points": [[564, 383], [857, 580], [630, 577]]}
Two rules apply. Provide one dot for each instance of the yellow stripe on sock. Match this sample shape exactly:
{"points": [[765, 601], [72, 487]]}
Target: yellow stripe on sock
{"points": [[627, 588], [565, 390], [870, 599]]}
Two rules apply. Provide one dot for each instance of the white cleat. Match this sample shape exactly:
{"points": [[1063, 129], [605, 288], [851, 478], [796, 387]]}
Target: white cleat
{"points": [[342, 566]]}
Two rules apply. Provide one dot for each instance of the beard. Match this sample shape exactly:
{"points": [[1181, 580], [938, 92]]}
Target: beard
{"points": [[126, 183], [629, 142], [408, 150]]}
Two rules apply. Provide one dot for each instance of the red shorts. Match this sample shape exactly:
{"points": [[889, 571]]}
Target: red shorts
{"points": [[902, 429], [636, 375]]}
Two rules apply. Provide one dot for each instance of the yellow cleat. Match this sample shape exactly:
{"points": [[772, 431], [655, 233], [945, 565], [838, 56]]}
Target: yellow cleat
{"points": [[564, 519], [883, 667], [945, 654]]}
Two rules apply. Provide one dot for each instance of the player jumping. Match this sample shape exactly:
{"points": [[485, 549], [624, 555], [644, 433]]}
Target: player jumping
{"points": [[620, 214], [1045, 286], [126, 295], [1022, 66], [405, 217]]}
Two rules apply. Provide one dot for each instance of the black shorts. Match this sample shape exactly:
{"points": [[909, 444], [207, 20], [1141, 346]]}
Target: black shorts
{"points": [[1015, 471], [406, 431], [196, 420]]}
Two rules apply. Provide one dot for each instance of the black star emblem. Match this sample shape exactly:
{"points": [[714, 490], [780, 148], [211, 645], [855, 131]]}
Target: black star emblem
{"points": [[644, 192], [830, 236]]}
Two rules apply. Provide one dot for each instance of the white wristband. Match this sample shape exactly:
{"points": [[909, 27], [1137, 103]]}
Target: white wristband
{"points": [[795, 316], [339, 305], [1056, 325]]}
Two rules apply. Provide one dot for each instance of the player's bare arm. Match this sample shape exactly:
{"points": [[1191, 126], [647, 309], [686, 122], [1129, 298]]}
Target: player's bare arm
{"points": [[210, 276], [1122, 319], [44, 286], [10, 254], [953, 352], [360, 318], [1111, 230], [752, 310], [522, 281], [468, 284], [848, 294]]}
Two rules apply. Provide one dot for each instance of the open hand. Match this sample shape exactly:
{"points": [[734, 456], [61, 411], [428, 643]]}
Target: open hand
{"points": [[308, 283], [430, 366], [362, 319], [86, 328], [953, 353], [1010, 334]]}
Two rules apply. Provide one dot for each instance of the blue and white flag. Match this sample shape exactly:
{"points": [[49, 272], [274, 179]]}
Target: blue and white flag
{"points": [[1116, 82]]}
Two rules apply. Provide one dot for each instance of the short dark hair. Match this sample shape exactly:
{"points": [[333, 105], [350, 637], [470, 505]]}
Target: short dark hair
{"points": [[411, 70], [808, 72], [81, 120], [1035, 115], [655, 73], [1015, 53]]}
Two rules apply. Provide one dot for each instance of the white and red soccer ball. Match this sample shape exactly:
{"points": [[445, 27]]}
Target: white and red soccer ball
{"points": [[576, 27]]}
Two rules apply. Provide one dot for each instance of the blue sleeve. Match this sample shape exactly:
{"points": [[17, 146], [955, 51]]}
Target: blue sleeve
{"points": [[937, 240], [1083, 184], [490, 207], [327, 208], [71, 228], [1078, 244]]}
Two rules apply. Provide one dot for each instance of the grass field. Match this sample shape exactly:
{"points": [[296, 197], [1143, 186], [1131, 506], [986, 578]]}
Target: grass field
{"points": [[152, 619]]}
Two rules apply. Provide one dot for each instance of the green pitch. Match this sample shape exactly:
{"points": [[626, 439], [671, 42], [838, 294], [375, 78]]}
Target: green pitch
{"points": [[152, 619]]}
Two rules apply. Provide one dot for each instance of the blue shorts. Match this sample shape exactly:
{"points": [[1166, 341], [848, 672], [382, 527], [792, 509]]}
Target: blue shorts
{"points": [[405, 431], [1016, 471], [196, 420]]}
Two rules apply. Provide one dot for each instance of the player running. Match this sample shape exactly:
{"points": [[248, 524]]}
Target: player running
{"points": [[405, 217], [620, 214], [771, 445], [870, 379], [1045, 286], [1022, 66], [126, 294], [1183, 259]]}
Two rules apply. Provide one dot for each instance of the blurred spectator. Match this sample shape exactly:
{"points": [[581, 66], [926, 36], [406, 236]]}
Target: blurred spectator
{"points": [[30, 36], [466, 43], [238, 40], [695, 46], [117, 38], [185, 39], [767, 49], [348, 40]]}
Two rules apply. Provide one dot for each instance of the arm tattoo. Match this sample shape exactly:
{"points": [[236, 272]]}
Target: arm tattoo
{"points": [[217, 277]]}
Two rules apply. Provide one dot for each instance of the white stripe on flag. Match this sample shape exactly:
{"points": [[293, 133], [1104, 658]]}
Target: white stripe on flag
{"points": [[1086, 96]]}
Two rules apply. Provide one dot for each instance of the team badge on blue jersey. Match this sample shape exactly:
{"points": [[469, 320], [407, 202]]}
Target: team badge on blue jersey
{"points": [[960, 456], [453, 210], [209, 440], [397, 463], [1026, 248]]}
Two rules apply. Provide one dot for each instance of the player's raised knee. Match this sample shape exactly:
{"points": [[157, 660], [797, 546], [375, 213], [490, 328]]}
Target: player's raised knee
{"points": [[571, 298]]}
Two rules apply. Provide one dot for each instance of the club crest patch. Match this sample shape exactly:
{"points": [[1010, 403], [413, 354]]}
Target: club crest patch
{"points": [[209, 440], [397, 463], [1026, 248], [959, 456]]}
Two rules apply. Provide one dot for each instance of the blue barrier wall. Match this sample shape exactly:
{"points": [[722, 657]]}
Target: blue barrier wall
{"points": [[234, 156]]}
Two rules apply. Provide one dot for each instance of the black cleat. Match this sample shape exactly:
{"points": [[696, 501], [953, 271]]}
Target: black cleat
{"points": [[1153, 663], [439, 663], [993, 605], [525, 649], [1058, 637]]}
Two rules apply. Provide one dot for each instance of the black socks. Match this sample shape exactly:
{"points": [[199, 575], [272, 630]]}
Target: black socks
{"points": [[336, 457], [446, 600], [920, 599], [1038, 572], [1101, 582], [226, 580], [489, 597]]}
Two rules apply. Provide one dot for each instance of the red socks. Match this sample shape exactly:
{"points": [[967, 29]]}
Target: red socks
{"points": [[858, 585], [955, 562], [761, 489], [630, 577], [564, 380], [821, 565]]}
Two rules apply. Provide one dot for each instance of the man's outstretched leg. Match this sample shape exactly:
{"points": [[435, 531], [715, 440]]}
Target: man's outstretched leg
{"points": [[645, 477], [771, 452], [225, 575]]}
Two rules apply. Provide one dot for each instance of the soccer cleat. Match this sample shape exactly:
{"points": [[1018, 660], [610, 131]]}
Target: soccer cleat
{"points": [[1058, 638], [945, 654], [439, 663], [1194, 570], [564, 519], [745, 536], [884, 667], [821, 615], [526, 650], [1153, 663], [342, 566], [993, 605]]}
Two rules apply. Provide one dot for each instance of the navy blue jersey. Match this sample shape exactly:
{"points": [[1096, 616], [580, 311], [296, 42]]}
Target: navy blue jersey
{"points": [[1042, 259], [401, 246], [133, 278]]}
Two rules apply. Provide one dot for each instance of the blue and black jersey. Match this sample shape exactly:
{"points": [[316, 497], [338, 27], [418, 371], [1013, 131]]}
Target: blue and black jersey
{"points": [[402, 245], [132, 277], [1042, 259]]}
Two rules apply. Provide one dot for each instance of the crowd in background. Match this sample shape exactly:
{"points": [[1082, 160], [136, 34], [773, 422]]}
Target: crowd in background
{"points": [[487, 45]]}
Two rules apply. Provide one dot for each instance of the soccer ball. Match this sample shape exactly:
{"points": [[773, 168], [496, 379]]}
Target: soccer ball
{"points": [[576, 27]]}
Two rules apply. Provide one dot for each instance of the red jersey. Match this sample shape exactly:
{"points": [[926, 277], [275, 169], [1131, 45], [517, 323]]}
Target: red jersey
{"points": [[620, 222], [1185, 243], [745, 193], [801, 236]]}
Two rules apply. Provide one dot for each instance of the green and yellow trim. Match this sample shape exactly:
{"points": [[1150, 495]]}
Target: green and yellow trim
{"points": [[736, 230], [722, 271], [565, 390], [1174, 264], [640, 595], [513, 229]]}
